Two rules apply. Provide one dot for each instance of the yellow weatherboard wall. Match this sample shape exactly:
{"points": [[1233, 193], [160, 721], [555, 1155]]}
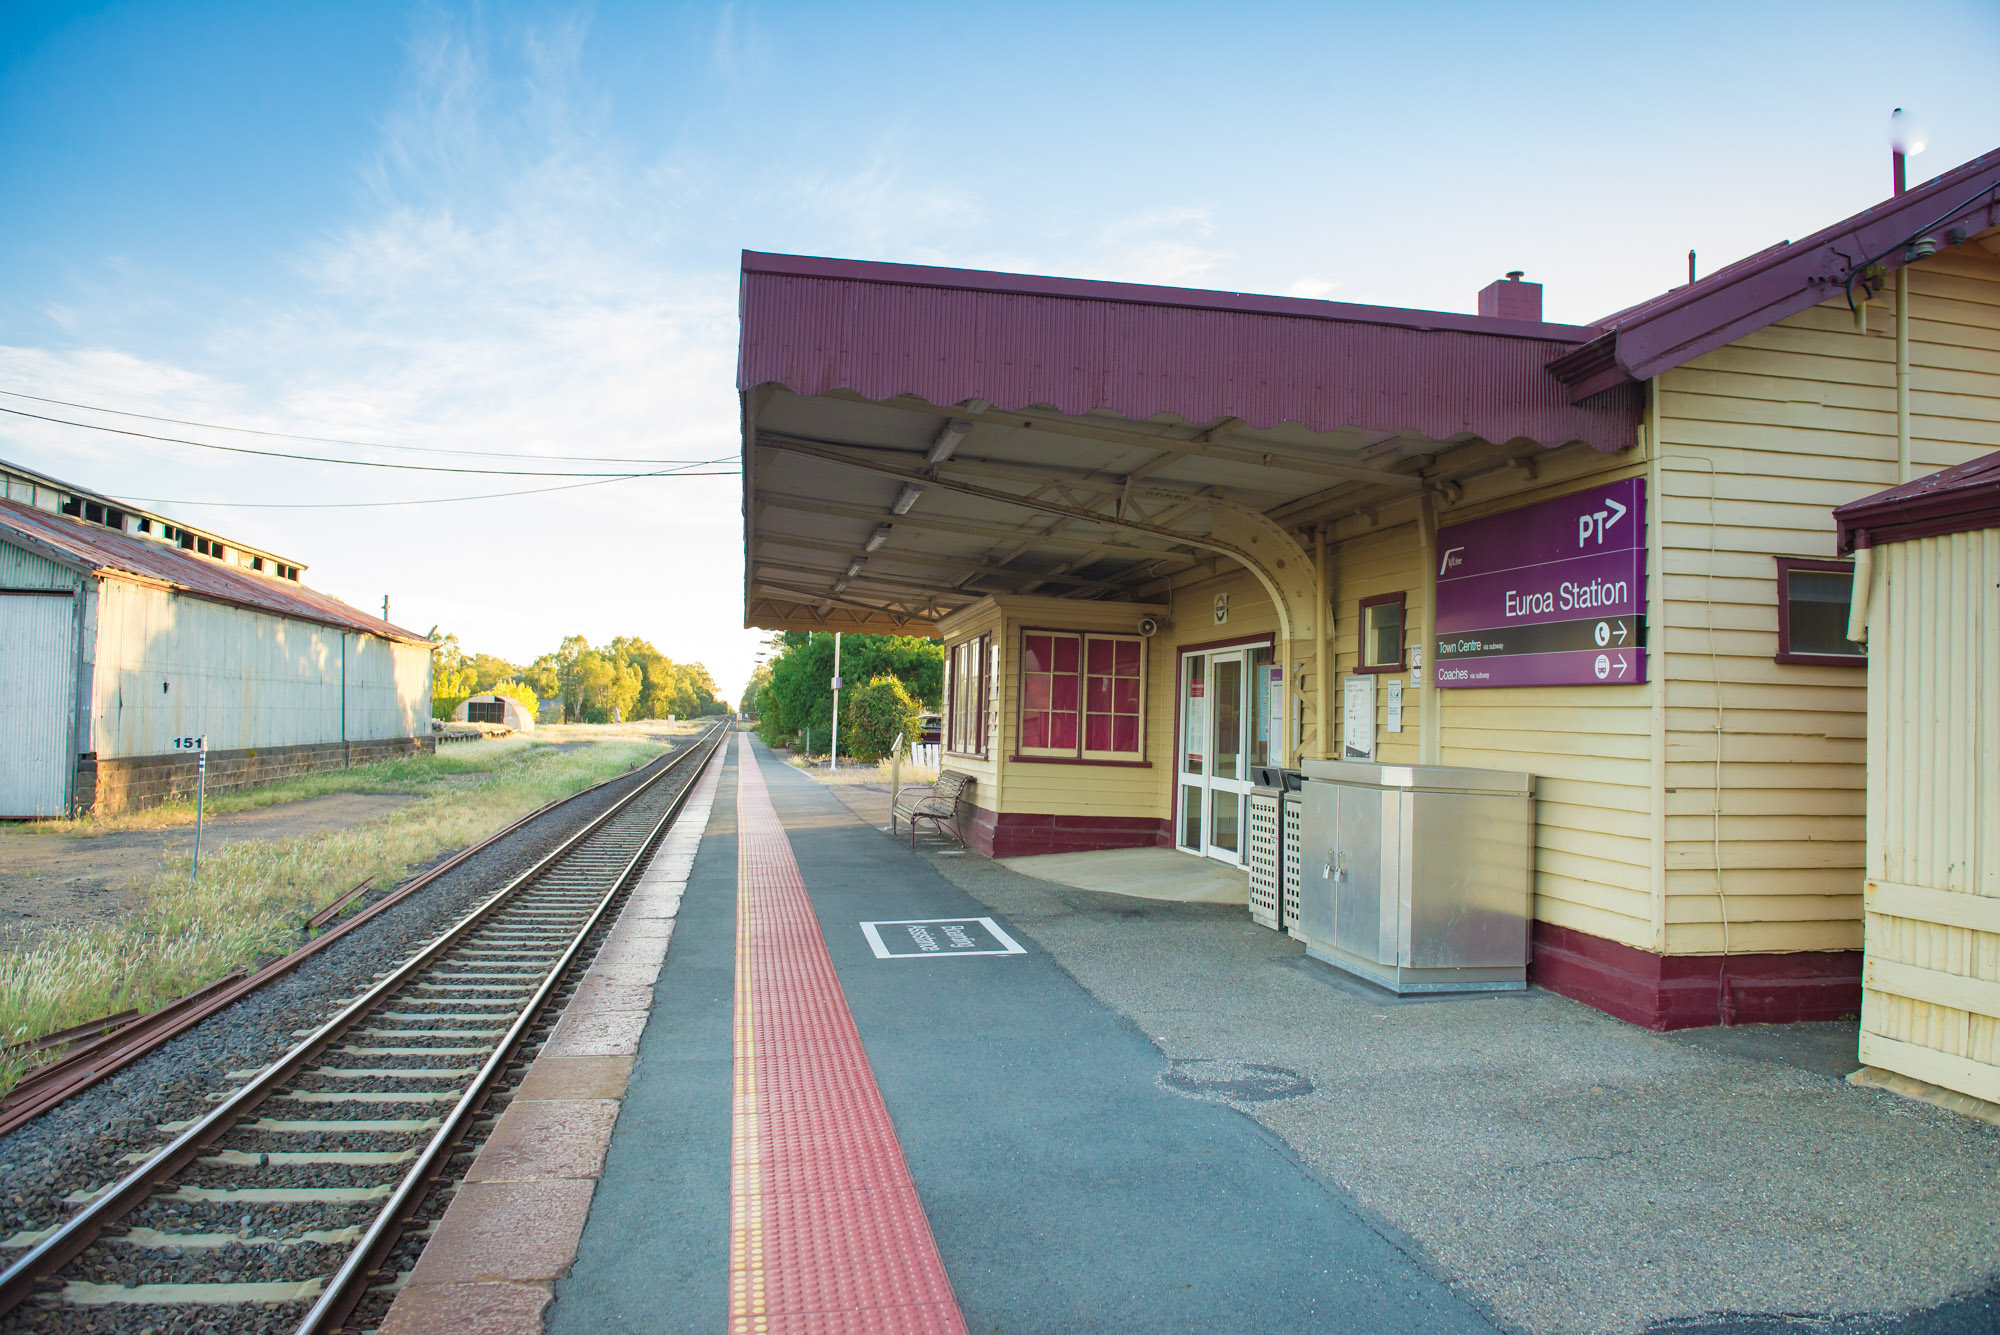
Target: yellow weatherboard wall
{"points": [[1758, 441], [1931, 1008]]}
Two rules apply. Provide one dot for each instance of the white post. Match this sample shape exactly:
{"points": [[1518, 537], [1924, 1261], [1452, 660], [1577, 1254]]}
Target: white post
{"points": [[200, 790], [833, 748], [895, 778]]}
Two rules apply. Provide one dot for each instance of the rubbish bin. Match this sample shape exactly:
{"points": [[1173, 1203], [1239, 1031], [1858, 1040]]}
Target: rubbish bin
{"points": [[1418, 878], [1273, 873]]}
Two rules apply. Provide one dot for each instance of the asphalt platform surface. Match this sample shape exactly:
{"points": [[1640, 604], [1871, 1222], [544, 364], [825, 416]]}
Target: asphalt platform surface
{"points": [[1067, 1187], [1164, 1118]]}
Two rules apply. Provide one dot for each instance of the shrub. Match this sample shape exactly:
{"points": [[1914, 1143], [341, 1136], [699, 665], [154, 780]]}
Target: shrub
{"points": [[873, 714]]}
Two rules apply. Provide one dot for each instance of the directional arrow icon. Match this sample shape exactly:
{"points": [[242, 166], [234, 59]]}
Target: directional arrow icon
{"points": [[1622, 631], [1621, 665], [1617, 512]]}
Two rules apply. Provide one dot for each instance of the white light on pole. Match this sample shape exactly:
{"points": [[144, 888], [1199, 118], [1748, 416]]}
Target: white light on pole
{"points": [[833, 750]]}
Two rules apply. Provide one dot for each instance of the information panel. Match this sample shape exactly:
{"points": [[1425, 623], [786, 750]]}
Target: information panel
{"points": [[1552, 594]]}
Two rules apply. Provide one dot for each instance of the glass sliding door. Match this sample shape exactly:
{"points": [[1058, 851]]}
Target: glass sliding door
{"points": [[1214, 778]]}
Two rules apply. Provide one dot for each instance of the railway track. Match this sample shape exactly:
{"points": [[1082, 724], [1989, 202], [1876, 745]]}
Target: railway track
{"points": [[281, 1208]]}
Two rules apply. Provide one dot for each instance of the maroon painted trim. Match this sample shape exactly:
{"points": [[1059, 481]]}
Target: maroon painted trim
{"points": [[1662, 992], [1083, 638], [1785, 654], [1017, 834], [1960, 499], [1685, 322], [37, 593], [817, 327], [1067, 760], [1148, 294], [1365, 668]]}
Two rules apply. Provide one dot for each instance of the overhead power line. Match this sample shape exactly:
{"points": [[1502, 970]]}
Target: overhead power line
{"points": [[333, 440], [325, 459], [436, 500]]}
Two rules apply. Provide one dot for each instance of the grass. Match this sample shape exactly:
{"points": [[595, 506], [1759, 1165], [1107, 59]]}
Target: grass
{"points": [[853, 772], [405, 774], [255, 896]]}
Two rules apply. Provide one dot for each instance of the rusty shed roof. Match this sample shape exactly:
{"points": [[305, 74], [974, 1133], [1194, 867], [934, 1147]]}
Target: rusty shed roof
{"points": [[1960, 499], [1022, 341], [100, 551]]}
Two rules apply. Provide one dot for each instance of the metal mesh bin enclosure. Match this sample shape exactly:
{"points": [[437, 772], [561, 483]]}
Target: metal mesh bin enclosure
{"points": [[1293, 821], [1265, 857]]}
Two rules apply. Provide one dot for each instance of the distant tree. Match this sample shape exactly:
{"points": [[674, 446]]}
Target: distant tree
{"points": [[544, 677], [451, 675], [488, 671], [758, 681]]}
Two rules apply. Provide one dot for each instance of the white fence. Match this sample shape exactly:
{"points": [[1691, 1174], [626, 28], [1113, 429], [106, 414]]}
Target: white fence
{"points": [[927, 753]]}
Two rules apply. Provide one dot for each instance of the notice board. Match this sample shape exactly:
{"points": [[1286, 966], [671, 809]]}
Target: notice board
{"points": [[1551, 594]]}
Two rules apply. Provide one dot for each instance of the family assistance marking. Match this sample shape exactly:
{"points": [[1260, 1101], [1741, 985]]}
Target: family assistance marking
{"points": [[927, 938]]}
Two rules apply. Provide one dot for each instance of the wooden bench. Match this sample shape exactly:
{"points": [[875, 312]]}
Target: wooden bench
{"points": [[937, 804]]}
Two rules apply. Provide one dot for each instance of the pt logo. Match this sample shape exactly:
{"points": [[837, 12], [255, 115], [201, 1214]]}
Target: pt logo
{"points": [[1593, 526]]}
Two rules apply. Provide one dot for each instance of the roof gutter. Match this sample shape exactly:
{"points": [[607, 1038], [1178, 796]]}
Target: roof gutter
{"points": [[1857, 251]]}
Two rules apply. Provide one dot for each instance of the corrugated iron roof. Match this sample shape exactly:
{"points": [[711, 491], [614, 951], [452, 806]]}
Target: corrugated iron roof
{"points": [[8, 468], [1022, 341], [104, 552], [1959, 499], [1681, 324]]}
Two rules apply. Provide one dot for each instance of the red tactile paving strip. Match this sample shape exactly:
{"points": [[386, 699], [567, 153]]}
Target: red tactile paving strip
{"points": [[826, 1234]]}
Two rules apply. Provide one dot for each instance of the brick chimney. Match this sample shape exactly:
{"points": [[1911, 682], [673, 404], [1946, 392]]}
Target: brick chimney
{"points": [[1512, 299]]}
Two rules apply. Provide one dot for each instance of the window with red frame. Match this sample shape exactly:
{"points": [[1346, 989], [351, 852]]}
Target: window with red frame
{"points": [[1081, 695]]}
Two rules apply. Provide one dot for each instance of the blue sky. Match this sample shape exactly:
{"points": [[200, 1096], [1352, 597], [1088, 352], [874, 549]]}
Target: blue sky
{"points": [[515, 226]]}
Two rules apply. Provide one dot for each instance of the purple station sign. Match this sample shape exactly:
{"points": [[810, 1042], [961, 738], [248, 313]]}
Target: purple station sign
{"points": [[1551, 594]]}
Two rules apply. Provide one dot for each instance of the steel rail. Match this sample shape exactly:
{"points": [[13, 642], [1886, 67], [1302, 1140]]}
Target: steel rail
{"points": [[90, 1060], [74, 1235], [362, 1268]]}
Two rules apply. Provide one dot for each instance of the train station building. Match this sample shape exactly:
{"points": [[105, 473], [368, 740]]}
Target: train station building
{"points": [[1167, 536]]}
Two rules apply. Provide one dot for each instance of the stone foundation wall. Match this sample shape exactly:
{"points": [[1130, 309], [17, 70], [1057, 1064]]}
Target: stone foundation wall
{"points": [[109, 787]]}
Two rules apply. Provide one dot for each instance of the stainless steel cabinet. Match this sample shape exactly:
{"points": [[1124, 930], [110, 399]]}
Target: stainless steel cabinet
{"points": [[1419, 878]]}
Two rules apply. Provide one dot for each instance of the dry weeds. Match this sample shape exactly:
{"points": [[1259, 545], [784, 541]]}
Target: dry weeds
{"points": [[254, 897]]}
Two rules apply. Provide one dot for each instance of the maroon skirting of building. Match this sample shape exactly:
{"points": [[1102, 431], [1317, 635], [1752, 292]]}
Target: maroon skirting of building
{"points": [[1656, 991], [1020, 834], [1686, 991]]}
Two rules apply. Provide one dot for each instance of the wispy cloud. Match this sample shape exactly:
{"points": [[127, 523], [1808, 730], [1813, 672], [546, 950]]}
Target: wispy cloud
{"points": [[504, 288], [1315, 285], [1161, 245]]}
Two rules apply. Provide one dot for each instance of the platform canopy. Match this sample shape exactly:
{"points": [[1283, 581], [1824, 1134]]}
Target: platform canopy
{"points": [[915, 438]]}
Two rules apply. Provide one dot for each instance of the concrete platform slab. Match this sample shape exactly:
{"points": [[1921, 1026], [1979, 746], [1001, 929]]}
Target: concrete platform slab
{"points": [[1142, 873]]}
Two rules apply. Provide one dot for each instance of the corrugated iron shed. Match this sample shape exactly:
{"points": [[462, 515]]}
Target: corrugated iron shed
{"points": [[947, 336], [103, 552], [1953, 500]]}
